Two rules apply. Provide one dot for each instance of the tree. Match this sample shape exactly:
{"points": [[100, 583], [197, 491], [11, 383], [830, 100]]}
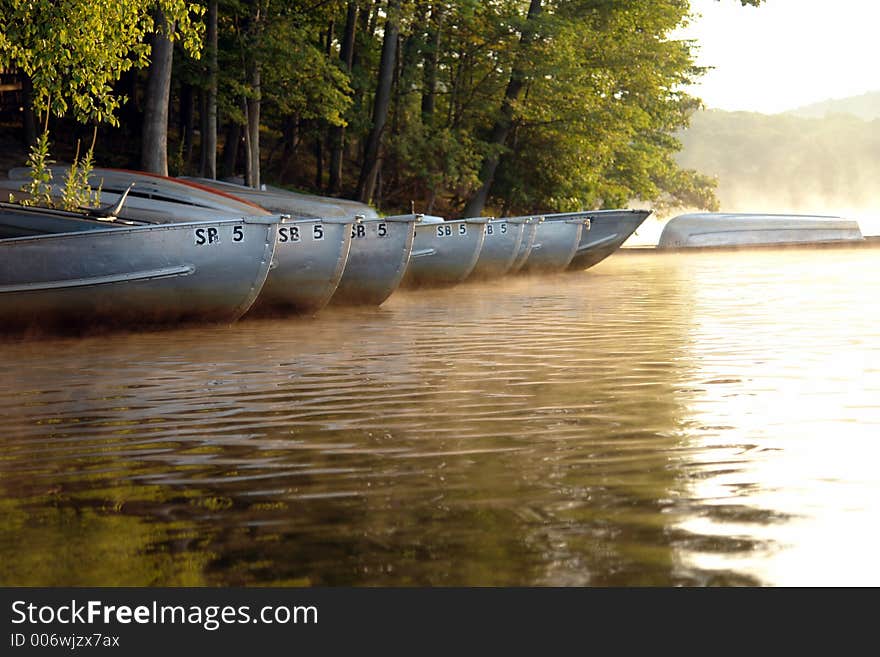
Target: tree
{"points": [[154, 144], [370, 168], [337, 133], [208, 166], [504, 121], [74, 50], [302, 83]]}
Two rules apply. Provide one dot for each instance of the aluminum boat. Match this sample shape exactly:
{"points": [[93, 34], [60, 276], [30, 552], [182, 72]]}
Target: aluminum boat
{"points": [[609, 229], [73, 271], [378, 258], [500, 247], [530, 230], [296, 204], [556, 242], [311, 254], [444, 252], [740, 229]]}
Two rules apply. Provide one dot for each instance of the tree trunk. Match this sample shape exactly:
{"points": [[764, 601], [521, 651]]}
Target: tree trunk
{"points": [[154, 145], [410, 52], [362, 27], [29, 119], [319, 163], [230, 150], [429, 65], [187, 120], [252, 135], [290, 136], [252, 103], [501, 129], [337, 133], [374, 14], [131, 115], [209, 124], [372, 162]]}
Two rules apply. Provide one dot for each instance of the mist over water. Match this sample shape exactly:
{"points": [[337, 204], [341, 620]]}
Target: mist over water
{"points": [[791, 163], [660, 419]]}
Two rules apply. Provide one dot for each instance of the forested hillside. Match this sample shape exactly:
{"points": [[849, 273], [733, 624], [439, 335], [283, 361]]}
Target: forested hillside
{"points": [[457, 107], [786, 163], [865, 106]]}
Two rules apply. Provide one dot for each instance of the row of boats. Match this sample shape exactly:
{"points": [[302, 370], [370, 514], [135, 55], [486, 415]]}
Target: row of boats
{"points": [[175, 250]]}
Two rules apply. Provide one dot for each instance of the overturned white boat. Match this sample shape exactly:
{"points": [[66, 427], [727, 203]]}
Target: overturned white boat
{"points": [[500, 247], [444, 252], [739, 229], [556, 241]]}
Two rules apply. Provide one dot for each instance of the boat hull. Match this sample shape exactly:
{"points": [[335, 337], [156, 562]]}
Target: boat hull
{"points": [[377, 260], [445, 252], [500, 247], [276, 199], [135, 276], [556, 241], [738, 230], [148, 187], [309, 261], [609, 229], [530, 230], [311, 253]]}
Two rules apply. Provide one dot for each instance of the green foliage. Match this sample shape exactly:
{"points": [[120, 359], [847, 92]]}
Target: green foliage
{"points": [[298, 79], [77, 193], [40, 186], [595, 126], [74, 50]]}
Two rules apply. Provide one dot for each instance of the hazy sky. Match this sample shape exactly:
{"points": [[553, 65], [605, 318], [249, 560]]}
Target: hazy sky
{"points": [[785, 53]]}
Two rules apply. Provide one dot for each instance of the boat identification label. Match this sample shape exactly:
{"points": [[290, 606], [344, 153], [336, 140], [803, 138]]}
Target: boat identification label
{"points": [[295, 233], [359, 231], [445, 230], [211, 235]]}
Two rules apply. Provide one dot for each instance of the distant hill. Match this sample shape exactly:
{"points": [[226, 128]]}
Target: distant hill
{"points": [[866, 107], [788, 163]]}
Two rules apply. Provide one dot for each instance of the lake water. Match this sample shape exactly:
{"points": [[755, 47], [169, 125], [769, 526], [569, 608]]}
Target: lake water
{"points": [[705, 418]]}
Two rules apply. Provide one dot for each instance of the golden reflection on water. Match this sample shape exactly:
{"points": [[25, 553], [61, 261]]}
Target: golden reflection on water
{"points": [[699, 418], [795, 381]]}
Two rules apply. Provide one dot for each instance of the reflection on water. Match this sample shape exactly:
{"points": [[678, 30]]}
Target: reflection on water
{"points": [[661, 419]]}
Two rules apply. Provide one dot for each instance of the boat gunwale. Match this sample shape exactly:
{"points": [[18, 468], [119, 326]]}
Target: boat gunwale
{"points": [[258, 220]]}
